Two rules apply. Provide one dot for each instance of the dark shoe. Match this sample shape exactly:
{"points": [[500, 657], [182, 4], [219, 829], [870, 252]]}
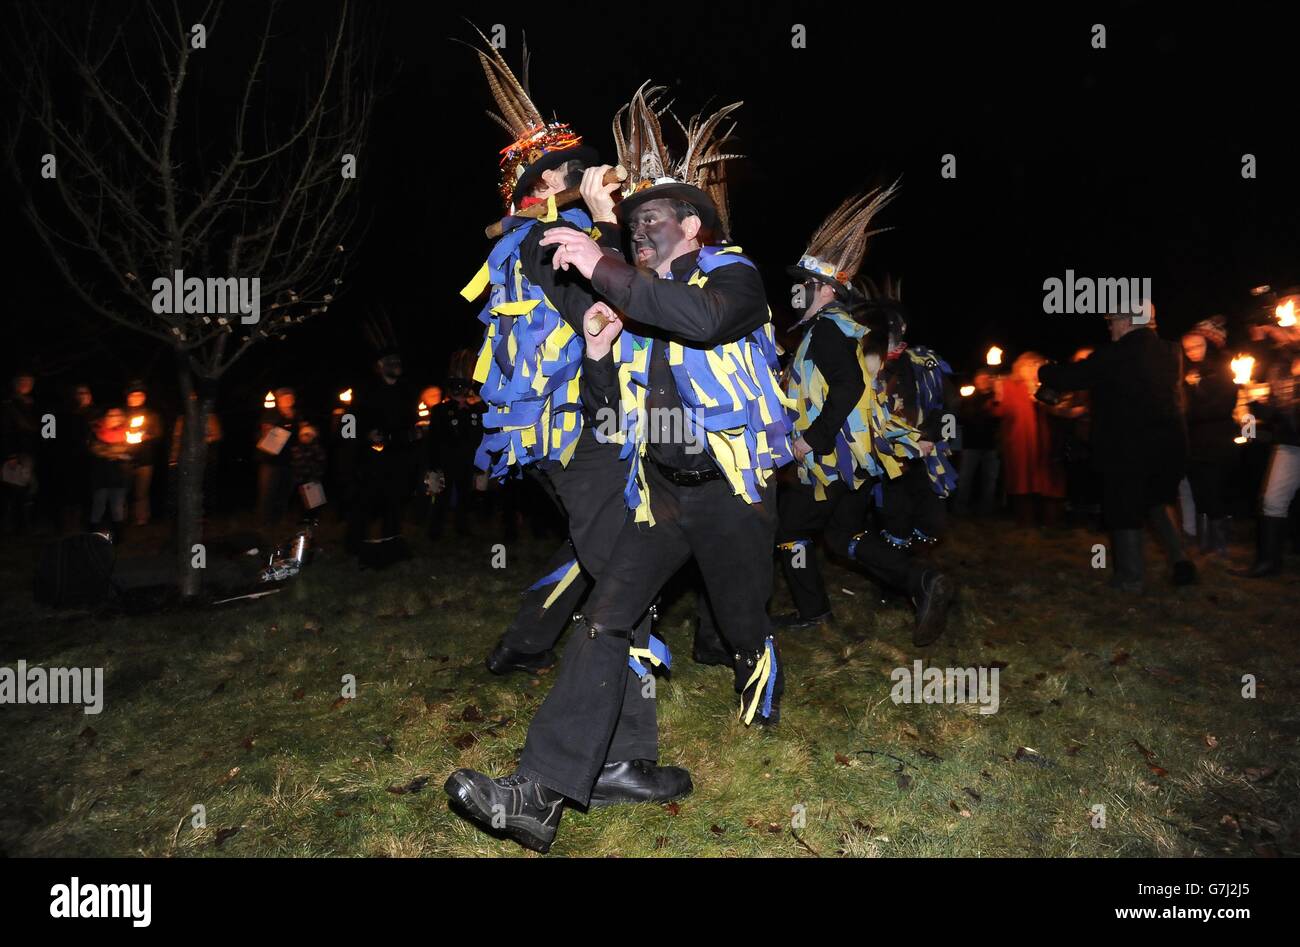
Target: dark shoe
{"points": [[1184, 573], [794, 621], [639, 781], [1272, 531], [707, 647], [520, 808], [703, 653], [1127, 560], [932, 606], [503, 660]]}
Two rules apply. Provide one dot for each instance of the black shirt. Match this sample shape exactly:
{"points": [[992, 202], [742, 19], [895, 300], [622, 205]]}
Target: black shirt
{"points": [[728, 307]]}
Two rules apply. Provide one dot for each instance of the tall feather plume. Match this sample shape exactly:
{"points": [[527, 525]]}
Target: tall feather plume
{"points": [[518, 115], [842, 237], [638, 135]]}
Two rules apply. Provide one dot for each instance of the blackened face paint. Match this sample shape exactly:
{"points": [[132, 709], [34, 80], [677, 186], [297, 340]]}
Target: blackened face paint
{"points": [[656, 233]]}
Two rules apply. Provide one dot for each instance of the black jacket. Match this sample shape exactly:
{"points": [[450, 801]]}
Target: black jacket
{"points": [[728, 307], [836, 357], [1136, 394], [1210, 428]]}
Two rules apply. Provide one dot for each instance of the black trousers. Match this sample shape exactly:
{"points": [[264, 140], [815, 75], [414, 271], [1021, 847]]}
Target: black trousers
{"points": [[908, 502], [598, 709], [1129, 492], [384, 482], [800, 515], [1209, 480], [589, 491]]}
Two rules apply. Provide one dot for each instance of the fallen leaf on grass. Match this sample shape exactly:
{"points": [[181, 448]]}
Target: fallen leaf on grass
{"points": [[1211, 740], [1258, 774], [717, 829], [1120, 657], [464, 741], [248, 743], [928, 754], [234, 771], [299, 694], [673, 808], [224, 834], [661, 841], [904, 781], [1169, 677], [414, 786], [339, 702], [843, 760], [1143, 750], [89, 735], [964, 813], [471, 714], [219, 688], [972, 793], [1158, 770], [1027, 754]]}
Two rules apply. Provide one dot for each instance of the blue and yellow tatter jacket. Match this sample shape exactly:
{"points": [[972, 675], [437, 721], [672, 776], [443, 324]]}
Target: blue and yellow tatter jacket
{"points": [[528, 364], [710, 360], [841, 410], [919, 387]]}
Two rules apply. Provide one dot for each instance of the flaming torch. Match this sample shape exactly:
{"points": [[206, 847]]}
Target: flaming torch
{"points": [[1285, 313], [136, 434], [994, 357], [345, 396], [1242, 366], [967, 390], [269, 400]]}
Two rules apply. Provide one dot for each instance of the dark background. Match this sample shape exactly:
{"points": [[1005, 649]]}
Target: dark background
{"points": [[1117, 162]]}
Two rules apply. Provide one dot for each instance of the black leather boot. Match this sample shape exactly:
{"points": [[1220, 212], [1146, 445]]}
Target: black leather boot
{"points": [[504, 659], [794, 621], [522, 809], [708, 647], [632, 781], [934, 598], [1129, 565], [1272, 533]]}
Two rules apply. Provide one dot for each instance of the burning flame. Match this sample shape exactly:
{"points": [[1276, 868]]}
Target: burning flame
{"points": [[134, 437], [1242, 366], [346, 396], [967, 390], [1285, 313], [137, 421], [994, 356], [269, 400], [424, 410], [377, 448], [1239, 439]]}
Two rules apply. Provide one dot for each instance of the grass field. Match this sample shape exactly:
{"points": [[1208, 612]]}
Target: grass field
{"points": [[1133, 704]]}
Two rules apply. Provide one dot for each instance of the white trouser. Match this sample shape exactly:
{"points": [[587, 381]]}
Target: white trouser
{"points": [[1281, 481]]}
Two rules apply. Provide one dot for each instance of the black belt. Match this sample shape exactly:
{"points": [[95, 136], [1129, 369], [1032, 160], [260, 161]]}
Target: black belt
{"points": [[687, 478]]}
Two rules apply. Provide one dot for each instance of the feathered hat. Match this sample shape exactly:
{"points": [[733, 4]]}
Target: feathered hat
{"points": [[536, 145], [696, 177], [837, 247]]}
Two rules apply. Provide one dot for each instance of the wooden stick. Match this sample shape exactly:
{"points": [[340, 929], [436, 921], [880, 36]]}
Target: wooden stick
{"points": [[570, 195]]}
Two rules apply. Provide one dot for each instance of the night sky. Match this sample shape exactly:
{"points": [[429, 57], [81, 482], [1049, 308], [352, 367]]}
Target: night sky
{"points": [[1117, 162]]}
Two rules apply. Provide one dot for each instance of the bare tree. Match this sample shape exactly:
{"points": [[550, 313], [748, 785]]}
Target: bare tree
{"points": [[176, 146]]}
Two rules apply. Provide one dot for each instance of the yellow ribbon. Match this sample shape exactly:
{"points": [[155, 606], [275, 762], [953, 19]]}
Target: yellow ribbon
{"points": [[761, 673]]}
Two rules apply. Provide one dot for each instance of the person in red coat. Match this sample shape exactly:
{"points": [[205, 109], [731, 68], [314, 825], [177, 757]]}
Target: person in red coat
{"points": [[1033, 474]]}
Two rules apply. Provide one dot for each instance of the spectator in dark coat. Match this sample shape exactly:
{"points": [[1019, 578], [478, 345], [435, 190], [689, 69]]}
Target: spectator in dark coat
{"points": [[977, 477], [1139, 438], [19, 437], [1210, 395]]}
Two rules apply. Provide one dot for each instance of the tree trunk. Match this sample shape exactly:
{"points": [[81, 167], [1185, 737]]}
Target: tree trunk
{"points": [[189, 492]]}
